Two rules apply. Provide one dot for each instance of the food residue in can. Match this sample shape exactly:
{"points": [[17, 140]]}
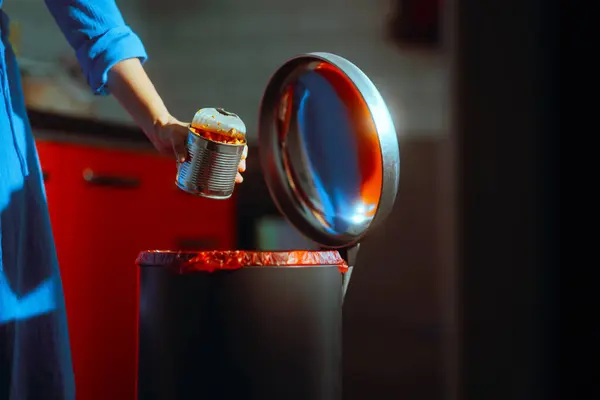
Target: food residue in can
{"points": [[229, 137], [220, 126]]}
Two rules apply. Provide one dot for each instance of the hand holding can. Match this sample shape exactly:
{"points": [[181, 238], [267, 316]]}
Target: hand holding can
{"points": [[215, 144]]}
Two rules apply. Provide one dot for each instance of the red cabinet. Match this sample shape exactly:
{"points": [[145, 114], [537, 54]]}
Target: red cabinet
{"points": [[106, 205]]}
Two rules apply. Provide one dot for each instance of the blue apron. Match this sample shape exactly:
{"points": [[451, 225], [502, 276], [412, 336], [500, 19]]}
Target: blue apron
{"points": [[35, 357]]}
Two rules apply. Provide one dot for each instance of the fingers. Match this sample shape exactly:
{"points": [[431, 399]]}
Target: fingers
{"points": [[180, 152], [242, 164], [178, 139]]}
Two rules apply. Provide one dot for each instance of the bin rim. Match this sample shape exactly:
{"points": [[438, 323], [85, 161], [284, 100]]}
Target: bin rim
{"points": [[227, 260]]}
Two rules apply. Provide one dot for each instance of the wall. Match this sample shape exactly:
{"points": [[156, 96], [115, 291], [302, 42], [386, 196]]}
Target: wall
{"points": [[222, 52], [394, 324], [41, 41]]}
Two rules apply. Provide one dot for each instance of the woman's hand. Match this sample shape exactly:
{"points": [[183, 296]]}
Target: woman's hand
{"points": [[170, 136], [131, 86]]}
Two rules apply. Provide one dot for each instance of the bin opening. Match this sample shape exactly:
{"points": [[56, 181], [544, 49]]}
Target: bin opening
{"points": [[183, 262]]}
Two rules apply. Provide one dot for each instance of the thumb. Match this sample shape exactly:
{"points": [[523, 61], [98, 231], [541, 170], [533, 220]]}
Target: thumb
{"points": [[179, 148], [178, 141]]}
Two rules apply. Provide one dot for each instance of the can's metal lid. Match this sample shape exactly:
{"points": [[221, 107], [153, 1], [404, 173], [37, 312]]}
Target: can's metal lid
{"points": [[328, 149], [218, 120]]}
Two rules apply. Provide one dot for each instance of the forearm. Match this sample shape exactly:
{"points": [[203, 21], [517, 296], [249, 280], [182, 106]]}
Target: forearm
{"points": [[131, 86], [111, 56]]}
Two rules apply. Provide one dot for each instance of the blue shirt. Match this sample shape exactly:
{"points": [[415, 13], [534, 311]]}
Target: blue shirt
{"points": [[35, 359]]}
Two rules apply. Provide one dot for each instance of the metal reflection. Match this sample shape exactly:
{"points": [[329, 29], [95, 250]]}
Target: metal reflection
{"points": [[328, 148]]}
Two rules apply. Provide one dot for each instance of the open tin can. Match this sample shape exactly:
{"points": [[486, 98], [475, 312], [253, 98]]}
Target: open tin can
{"points": [[215, 144], [267, 325]]}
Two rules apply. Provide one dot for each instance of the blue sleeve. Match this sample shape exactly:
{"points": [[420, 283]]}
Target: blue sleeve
{"points": [[98, 34]]}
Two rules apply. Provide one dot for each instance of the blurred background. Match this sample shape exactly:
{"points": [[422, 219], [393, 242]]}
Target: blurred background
{"points": [[460, 82]]}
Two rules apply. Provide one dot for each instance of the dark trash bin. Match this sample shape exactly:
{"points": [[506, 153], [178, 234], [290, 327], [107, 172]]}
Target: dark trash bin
{"points": [[267, 325], [240, 325]]}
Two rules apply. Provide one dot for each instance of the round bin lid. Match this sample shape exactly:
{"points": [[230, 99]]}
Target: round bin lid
{"points": [[328, 149]]}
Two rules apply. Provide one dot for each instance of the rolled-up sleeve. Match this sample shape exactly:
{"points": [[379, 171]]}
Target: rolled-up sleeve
{"points": [[98, 34]]}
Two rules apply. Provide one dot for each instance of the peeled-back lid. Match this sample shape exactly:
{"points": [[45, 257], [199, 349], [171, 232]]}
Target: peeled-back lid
{"points": [[218, 120], [328, 149]]}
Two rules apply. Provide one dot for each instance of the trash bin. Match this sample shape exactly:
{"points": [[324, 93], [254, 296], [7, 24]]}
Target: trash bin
{"points": [[259, 325], [240, 325]]}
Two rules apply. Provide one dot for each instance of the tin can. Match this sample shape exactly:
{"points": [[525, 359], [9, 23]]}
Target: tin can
{"points": [[215, 144]]}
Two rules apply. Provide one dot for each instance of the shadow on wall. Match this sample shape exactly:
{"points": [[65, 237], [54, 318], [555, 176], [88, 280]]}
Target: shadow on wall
{"points": [[392, 315]]}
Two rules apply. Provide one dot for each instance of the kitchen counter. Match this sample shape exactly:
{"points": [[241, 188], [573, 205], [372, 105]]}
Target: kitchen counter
{"points": [[253, 199], [64, 128]]}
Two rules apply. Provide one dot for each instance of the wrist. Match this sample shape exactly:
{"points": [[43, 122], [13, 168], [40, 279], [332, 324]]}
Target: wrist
{"points": [[155, 123], [159, 121]]}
